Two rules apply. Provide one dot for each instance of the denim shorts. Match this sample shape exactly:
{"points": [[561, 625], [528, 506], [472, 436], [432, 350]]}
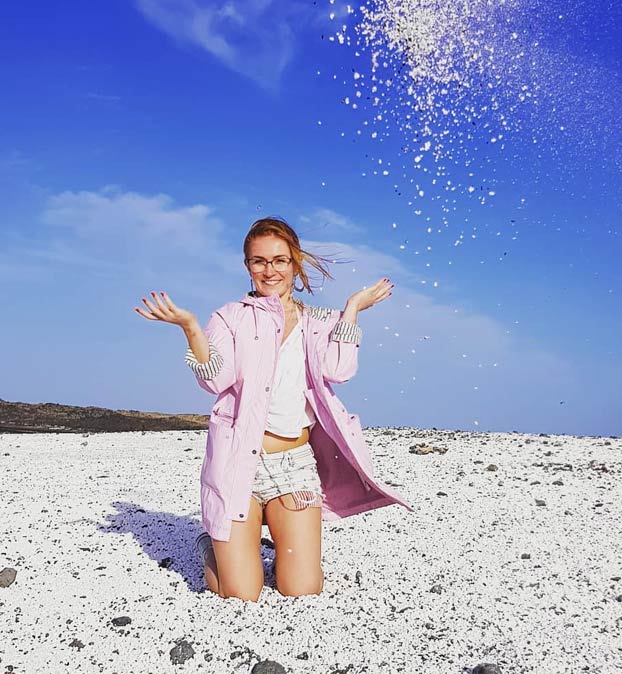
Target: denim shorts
{"points": [[293, 471]]}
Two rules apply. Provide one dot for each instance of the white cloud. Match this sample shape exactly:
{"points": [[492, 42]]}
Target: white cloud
{"points": [[130, 243], [103, 98], [251, 37], [325, 218], [125, 236], [129, 215]]}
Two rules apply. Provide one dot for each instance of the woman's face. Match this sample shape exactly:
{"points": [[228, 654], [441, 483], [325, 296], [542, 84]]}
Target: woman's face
{"points": [[268, 281]]}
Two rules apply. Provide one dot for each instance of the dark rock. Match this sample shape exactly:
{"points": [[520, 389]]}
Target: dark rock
{"points": [[441, 493], [303, 656], [121, 621], [437, 589], [491, 467], [486, 668], [558, 483], [7, 577], [268, 667], [165, 563], [525, 555], [619, 597], [16, 417], [181, 652], [540, 502], [358, 577], [76, 643]]}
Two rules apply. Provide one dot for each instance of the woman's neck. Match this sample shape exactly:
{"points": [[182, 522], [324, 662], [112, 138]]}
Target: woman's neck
{"points": [[289, 306]]}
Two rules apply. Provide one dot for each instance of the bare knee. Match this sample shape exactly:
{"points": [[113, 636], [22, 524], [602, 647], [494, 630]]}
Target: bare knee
{"points": [[245, 593], [290, 586], [233, 587]]}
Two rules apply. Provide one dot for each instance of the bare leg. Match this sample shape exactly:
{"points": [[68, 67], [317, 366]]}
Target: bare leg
{"points": [[297, 538], [233, 568]]}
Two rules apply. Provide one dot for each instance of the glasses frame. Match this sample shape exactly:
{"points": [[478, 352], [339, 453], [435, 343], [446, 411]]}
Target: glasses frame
{"points": [[265, 263]]}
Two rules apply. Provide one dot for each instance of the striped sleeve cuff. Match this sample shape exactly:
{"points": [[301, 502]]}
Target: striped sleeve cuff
{"points": [[205, 370], [347, 332]]}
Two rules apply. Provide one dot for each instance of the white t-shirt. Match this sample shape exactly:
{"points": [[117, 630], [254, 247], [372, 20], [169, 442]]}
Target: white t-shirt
{"points": [[289, 411]]}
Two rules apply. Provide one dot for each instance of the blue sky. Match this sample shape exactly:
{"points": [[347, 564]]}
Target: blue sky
{"points": [[139, 141]]}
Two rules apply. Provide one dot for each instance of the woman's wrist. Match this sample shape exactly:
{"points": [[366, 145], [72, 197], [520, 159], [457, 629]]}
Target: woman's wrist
{"points": [[350, 312], [192, 327]]}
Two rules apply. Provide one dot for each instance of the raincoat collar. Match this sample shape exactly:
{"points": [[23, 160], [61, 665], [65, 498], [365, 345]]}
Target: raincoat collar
{"points": [[270, 303], [266, 301]]}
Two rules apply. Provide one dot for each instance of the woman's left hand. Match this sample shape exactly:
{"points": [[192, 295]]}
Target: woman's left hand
{"points": [[363, 299]]}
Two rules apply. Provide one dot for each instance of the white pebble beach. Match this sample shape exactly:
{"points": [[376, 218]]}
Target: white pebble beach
{"points": [[519, 566]]}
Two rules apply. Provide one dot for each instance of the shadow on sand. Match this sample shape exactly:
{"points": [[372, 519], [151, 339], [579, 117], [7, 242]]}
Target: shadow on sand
{"points": [[169, 540]]}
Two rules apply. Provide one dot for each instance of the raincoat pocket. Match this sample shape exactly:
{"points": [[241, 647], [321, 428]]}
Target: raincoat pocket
{"points": [[221, 418], [218, 461]]}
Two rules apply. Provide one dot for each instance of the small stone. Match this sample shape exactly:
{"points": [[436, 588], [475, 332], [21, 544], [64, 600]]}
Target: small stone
{"points": [[76, 643], [358, 577], [558, 483], [268, 667], [303, 656], [436, 589], [121, 621], [619, 598], [491, 467], [441, 493], [422, 448], [165, 563], [540, 502], [181, 652], [486, 668], [7, 577], [525, 555]]}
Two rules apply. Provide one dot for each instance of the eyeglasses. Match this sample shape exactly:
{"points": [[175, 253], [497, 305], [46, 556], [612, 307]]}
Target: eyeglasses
{"points": [[257, 264]]}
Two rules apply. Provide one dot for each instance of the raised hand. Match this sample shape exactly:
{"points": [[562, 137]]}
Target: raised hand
{"points": [[163, 309], [363, 299]]}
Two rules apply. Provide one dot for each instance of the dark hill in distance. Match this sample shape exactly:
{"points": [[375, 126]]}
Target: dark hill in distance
{"points": [[52, 418]]}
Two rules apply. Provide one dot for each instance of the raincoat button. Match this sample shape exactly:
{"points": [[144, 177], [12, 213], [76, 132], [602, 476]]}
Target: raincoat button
{"points": [[278, 330], [256, 336], [267, 388], [241, 515], [254, 451]]}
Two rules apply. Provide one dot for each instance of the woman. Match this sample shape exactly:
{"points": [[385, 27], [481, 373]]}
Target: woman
{"points": [[281, 447]]}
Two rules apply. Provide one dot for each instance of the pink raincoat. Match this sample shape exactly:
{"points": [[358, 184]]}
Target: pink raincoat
{"points": [[244, 339]]}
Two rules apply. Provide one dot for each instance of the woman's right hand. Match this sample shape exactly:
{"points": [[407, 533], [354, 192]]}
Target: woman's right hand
{"points": [[163, 309]]}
